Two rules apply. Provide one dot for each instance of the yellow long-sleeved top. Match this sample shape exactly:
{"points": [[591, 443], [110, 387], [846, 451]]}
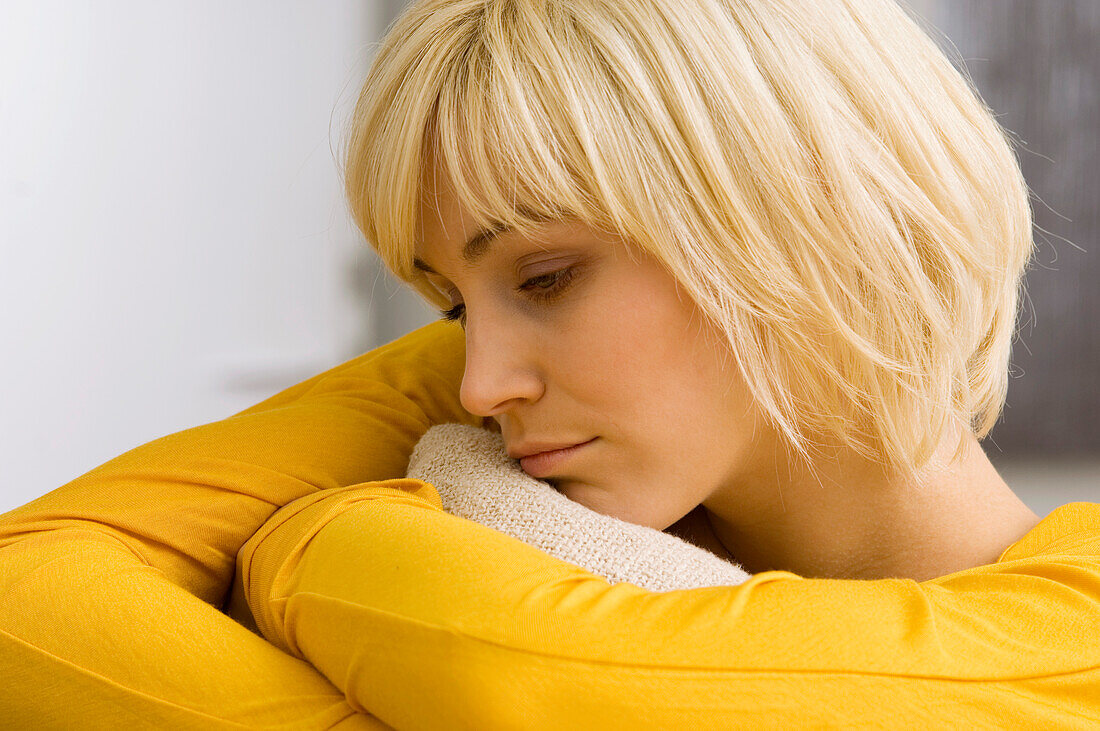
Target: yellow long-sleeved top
{"points": [[374, 598]]}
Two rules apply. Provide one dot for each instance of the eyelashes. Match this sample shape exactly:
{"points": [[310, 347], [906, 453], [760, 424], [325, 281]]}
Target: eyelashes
{"points": [[547, 287], [542, 289], [458, 312]]}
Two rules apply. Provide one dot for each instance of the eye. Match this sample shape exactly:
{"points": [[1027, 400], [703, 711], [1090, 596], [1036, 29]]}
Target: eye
{"points": [[547, 287], [542, 289]]}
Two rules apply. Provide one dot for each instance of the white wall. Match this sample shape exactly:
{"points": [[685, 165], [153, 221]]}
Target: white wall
{"points": [[174, 241]]}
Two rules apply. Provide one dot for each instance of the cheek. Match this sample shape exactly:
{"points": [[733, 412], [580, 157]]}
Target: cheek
{"points": [[653, 381], [629, 361], [650, 378], [658, 349]]}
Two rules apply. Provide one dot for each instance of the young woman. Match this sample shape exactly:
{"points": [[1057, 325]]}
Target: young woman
{"points": [[749, 265]]}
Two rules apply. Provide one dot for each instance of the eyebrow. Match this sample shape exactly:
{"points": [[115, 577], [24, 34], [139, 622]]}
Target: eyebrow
{"points": [[478, 244], [475, 248]]}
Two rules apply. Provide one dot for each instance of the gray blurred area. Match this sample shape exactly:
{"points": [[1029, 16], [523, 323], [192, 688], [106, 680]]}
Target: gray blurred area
{"points": [[1037, 66]]}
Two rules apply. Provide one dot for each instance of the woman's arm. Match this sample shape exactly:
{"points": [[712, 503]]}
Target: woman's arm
{"points": [[111, 586], [398, 602]]}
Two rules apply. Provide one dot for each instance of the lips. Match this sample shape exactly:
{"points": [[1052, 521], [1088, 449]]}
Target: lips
{"points": [[528, 449], [541, 462]]}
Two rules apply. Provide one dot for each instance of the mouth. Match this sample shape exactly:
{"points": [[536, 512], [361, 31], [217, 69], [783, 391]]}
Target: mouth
{"points": [[543, 464]]}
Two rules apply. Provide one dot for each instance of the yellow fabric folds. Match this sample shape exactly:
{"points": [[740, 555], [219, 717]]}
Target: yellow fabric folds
{"points": [[381, 589], [111, 586], [115, 591]]}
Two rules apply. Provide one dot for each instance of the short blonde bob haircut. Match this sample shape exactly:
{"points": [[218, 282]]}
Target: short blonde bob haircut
{"points": [[832, 194]]}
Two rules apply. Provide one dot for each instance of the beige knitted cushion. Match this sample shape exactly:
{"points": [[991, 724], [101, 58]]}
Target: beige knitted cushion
{"points": [[477, 480]]}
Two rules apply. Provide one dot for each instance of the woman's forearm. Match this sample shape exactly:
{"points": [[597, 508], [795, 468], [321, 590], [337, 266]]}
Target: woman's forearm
{"points": [[397, 602], [91, 637], [111, 586]]}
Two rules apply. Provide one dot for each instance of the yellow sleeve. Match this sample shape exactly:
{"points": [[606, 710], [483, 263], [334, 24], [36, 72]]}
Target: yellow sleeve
{"points": [[432, 621], [112, 587]]}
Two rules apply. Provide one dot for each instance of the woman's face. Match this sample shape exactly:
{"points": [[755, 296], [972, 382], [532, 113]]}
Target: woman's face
{"points": [[570, 342]]}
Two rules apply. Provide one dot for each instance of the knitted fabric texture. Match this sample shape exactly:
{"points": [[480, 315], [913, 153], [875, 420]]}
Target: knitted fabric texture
{"points": [[477, 480]]}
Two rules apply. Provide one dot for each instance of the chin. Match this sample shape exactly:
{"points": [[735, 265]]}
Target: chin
{"points": [[578, 492], [596, 499], [565, 487]]}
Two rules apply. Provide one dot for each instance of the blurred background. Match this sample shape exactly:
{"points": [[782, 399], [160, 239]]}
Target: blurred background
{"points": [[176, 246]]}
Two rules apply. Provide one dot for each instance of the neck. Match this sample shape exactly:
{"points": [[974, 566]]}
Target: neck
{"points": [[846, 519]]}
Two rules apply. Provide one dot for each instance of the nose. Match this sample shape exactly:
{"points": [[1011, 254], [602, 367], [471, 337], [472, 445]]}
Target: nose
{"points": [[501, 367]]}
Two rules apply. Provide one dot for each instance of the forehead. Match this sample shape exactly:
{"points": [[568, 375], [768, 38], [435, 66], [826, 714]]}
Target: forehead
{"points": [[443, 220], [439, 207]]}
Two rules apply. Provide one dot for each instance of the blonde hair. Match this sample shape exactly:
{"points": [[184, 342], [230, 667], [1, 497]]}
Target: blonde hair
{"points": [[830, 191]]}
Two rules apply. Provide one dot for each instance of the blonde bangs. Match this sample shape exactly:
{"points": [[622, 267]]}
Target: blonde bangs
{"points": [[482, 109]]}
